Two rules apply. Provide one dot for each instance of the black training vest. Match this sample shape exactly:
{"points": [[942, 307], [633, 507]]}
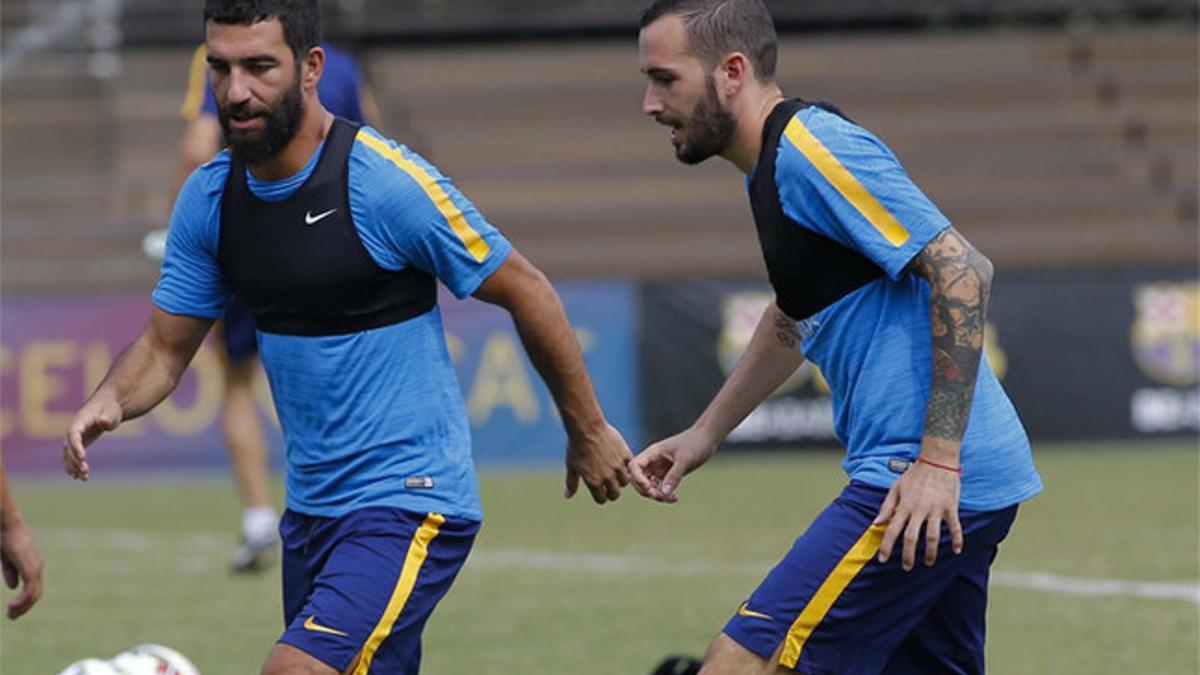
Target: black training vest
{"points": [[808, 271], [300, 265]]}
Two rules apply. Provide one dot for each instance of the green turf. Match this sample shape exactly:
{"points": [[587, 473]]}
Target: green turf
{"points": [[566, 587]]}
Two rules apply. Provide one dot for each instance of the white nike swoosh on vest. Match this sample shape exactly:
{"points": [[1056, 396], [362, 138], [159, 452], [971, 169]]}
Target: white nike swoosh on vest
{"points": [[310, 219]]}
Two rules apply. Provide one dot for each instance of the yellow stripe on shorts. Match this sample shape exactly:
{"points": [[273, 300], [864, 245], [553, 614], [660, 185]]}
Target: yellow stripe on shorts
{"points": [[458, 222], [845, 183], [847, 568], [417, 550]]}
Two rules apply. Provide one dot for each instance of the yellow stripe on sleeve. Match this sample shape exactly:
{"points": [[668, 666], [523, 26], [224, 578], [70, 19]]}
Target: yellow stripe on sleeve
{"points": [[845, 182], [417, 550], [458, 222], [847, 568], [197, 82]]}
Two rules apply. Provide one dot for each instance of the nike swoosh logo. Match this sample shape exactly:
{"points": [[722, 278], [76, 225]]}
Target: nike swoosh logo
{"points": [[311, 624], [310, 219], [745, 611]]}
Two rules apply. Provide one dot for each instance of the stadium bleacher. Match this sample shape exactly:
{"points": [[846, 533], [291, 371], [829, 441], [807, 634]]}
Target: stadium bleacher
{"points": [[1046, 146]]}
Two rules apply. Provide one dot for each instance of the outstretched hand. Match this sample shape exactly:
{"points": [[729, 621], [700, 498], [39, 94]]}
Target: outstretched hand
{"points": [[659, 469], [94, 418], [600, 459]]}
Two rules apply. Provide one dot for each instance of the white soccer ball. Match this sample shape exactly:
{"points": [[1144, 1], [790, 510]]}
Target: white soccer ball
{"points": [[140, 660], [90, 667], [153, 660]]}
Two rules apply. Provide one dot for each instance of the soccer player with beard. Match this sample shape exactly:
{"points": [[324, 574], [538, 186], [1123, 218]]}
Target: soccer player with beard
{"points": [[343, 92], [335, 237], [874, 286]]}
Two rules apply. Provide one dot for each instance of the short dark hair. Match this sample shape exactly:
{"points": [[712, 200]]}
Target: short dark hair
{"points": [[301, 19], [716, 28]]}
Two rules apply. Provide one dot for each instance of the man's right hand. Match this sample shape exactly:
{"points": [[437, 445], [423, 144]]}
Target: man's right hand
{"points": [[22, 565], [658, 469], [99, 414]]}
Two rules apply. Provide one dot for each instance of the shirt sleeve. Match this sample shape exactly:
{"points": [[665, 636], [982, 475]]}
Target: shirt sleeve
{"points": [[409, 214], [841, 181], [191, 282]]}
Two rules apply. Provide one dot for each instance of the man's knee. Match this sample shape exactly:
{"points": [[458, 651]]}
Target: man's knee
{"points": [[288, 660], [726, 657]]}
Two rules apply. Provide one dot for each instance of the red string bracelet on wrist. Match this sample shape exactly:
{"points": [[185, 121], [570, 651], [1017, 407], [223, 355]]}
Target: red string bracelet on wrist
{"points": [[955, 469]]}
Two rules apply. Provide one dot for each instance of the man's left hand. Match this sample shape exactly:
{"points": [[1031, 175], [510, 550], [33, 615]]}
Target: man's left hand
{"points": [[600, 459], [925, 496]]}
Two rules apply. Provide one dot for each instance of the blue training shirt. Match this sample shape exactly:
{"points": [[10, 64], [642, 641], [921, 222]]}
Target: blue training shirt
{"points": [[874, 345], [367, 417]]}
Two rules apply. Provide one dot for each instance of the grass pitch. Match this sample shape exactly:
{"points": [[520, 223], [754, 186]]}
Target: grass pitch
{"points": [[560, 587]]}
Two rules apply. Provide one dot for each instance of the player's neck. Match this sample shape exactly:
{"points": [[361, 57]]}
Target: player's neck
{"points": [[314, 127], [751, 114]]}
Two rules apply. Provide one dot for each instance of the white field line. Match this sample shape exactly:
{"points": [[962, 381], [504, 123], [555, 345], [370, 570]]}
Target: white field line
{"points": [[141, 541], [1161, 590], [135, 541]]}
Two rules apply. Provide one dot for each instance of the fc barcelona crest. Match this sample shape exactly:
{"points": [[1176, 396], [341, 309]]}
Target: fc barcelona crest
{"points": [[1166, 332], [740, 313]]}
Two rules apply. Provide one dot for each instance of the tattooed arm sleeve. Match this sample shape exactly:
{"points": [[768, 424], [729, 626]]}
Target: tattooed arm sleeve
{"points": [[960, 280]]}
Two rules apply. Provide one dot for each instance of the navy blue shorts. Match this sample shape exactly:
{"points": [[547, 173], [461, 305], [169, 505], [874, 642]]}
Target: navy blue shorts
{"points": [[835, 609], [239, 332], [363, 585]]}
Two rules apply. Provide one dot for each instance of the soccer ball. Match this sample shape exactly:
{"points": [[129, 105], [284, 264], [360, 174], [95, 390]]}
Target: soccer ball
{"points": [[90, 667], [153, 660], [139, 660]]}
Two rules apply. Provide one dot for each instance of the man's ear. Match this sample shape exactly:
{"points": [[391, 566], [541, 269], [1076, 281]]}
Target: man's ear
{"points": [[732, 73], [313, 67]]}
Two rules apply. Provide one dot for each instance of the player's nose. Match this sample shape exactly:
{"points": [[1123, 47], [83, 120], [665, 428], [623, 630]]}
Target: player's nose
{"points": [[651, 103], [239, 89]]}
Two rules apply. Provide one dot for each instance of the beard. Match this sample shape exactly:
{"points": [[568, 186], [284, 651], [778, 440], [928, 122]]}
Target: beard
{"points": [[710, 129], [280, 123]]}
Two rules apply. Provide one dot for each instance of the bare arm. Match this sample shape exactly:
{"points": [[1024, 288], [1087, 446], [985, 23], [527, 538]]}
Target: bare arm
{"points": [[595, 450], [960, 281], [143, 375], [18, 555], [201, 141], [771, 357]]}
